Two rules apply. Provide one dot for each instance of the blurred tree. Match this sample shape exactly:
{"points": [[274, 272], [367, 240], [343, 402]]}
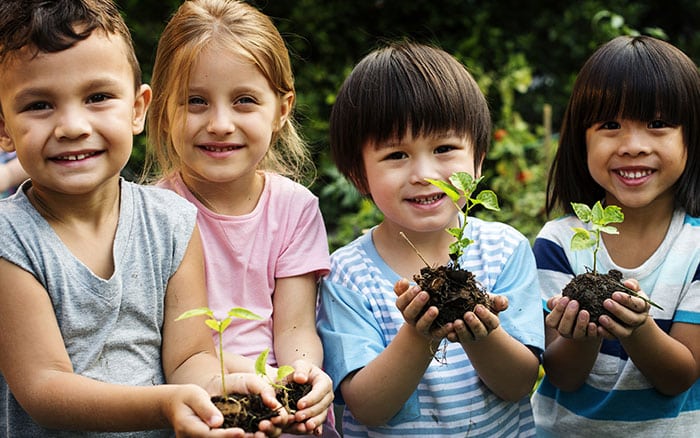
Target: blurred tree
{"points": [[525, 57]]}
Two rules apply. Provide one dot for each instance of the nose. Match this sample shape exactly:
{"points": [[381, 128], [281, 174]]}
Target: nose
{"points": [[73, 123], [635, 141], [422, 168], [220, 122]]}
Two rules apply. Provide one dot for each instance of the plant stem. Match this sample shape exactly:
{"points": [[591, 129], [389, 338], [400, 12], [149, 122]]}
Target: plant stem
{"points": [[414, 248], [221, 362]]}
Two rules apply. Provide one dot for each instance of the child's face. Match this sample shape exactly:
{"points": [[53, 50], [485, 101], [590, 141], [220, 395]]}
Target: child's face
{"points": [[71, 115], [230, 117], [396, 173], [637, 163]]}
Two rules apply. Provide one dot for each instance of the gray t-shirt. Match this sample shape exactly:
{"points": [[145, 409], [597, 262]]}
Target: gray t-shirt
{"points": [[112, 328]]}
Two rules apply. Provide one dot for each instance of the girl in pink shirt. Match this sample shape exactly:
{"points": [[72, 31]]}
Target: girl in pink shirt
{"points": [[223, 137]]}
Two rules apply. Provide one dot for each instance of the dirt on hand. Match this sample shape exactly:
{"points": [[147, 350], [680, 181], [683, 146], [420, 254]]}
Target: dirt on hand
{"points": [[453, 291]]}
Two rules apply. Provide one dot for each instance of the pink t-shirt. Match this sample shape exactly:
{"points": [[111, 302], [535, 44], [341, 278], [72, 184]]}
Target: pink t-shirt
{"points": [[284, 236]]}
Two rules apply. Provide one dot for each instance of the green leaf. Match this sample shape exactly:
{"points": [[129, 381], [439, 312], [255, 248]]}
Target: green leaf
{"points": [[613, 215], [283, 372], [449, 189], [465, 182], [581, 239], [214, 325], [488, 199], [240, 312], [224, 324], [583, 212], [196, 312], [597, 213], [609, 230], [261, 361]]}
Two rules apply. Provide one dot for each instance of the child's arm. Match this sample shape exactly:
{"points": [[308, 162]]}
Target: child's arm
{"points": [[671, 362], [297, 344], [36, 366], [572, 344], [189, 355], [376, 392], [504, 364]]}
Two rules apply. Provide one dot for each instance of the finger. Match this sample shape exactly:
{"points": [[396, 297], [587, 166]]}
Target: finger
{"points": [[553, 318], [401, 286], [462, 331], [407, 297], [499, 303], [487, 318], [425, 323], [476, 327]]}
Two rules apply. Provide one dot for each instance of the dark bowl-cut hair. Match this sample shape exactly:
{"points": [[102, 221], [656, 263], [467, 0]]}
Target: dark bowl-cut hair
{"points": [[54, 26], [405, 85], [636, 78]]}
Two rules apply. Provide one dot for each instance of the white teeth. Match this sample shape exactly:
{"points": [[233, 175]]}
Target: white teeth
{"points": [[427, 200], [76, 157], [213, 149], [634, 174]]}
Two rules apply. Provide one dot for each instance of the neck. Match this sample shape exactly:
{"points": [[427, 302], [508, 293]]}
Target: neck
{"points": [[231, 198]]}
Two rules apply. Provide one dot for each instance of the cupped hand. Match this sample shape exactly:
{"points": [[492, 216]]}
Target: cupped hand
{"points": [[568, 320], [313, 407], [192, 414], [631, 312], [411, 301]]}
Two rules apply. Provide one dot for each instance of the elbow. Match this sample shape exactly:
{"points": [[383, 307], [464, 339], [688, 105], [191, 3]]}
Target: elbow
{"points": [[367, 416]]}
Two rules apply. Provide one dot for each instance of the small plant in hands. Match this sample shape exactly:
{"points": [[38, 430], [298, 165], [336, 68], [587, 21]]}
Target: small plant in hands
{"points": [[244, 411], [288, 394], [591, 288], [453, 290]]}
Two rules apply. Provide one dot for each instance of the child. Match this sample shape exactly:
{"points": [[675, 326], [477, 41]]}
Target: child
{"points": [[629, 139], [11, 173], [94, 270], [408, 112], [222, 131]]}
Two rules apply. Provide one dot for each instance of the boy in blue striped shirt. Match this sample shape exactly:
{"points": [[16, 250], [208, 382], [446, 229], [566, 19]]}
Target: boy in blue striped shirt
{"points": [[408, 112]]}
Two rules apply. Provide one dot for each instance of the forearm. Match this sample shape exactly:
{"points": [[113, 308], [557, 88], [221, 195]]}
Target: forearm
{"points": [[505, 365], [667, 363], [201, 369], [61, 400], [378, 391], [568, 362]]}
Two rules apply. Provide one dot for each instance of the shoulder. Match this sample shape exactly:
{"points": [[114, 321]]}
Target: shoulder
{"points": [[158, 200], [157, 207], [352, 259], [494, 233]]}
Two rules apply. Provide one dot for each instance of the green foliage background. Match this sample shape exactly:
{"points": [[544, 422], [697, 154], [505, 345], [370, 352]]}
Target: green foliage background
{"points": [[525, 56]]}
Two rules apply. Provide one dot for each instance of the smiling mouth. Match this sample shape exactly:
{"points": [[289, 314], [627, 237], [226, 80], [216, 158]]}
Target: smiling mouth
{"points": [[427, 200], [219, 149], [76, 157], [634, 174]]}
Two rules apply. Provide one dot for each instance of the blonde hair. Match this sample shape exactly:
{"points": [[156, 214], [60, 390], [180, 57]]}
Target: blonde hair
{"points": [[232, 26]]}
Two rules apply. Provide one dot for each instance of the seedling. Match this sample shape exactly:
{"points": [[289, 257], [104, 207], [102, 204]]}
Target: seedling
{"points": [[219, 326], [461, 186], [261, 370], [600, 219]]}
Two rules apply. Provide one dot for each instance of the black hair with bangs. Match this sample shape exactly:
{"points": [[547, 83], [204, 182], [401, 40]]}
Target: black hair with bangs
{"points": [[400, 87], [637, 78]]}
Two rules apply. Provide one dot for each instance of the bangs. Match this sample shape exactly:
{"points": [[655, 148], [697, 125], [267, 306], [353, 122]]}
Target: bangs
{"points": [[424, 96], [634, 85]]}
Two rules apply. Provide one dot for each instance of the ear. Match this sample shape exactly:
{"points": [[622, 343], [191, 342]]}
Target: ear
{"points": [[141, 103], [286, 105], [6, 143]]}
